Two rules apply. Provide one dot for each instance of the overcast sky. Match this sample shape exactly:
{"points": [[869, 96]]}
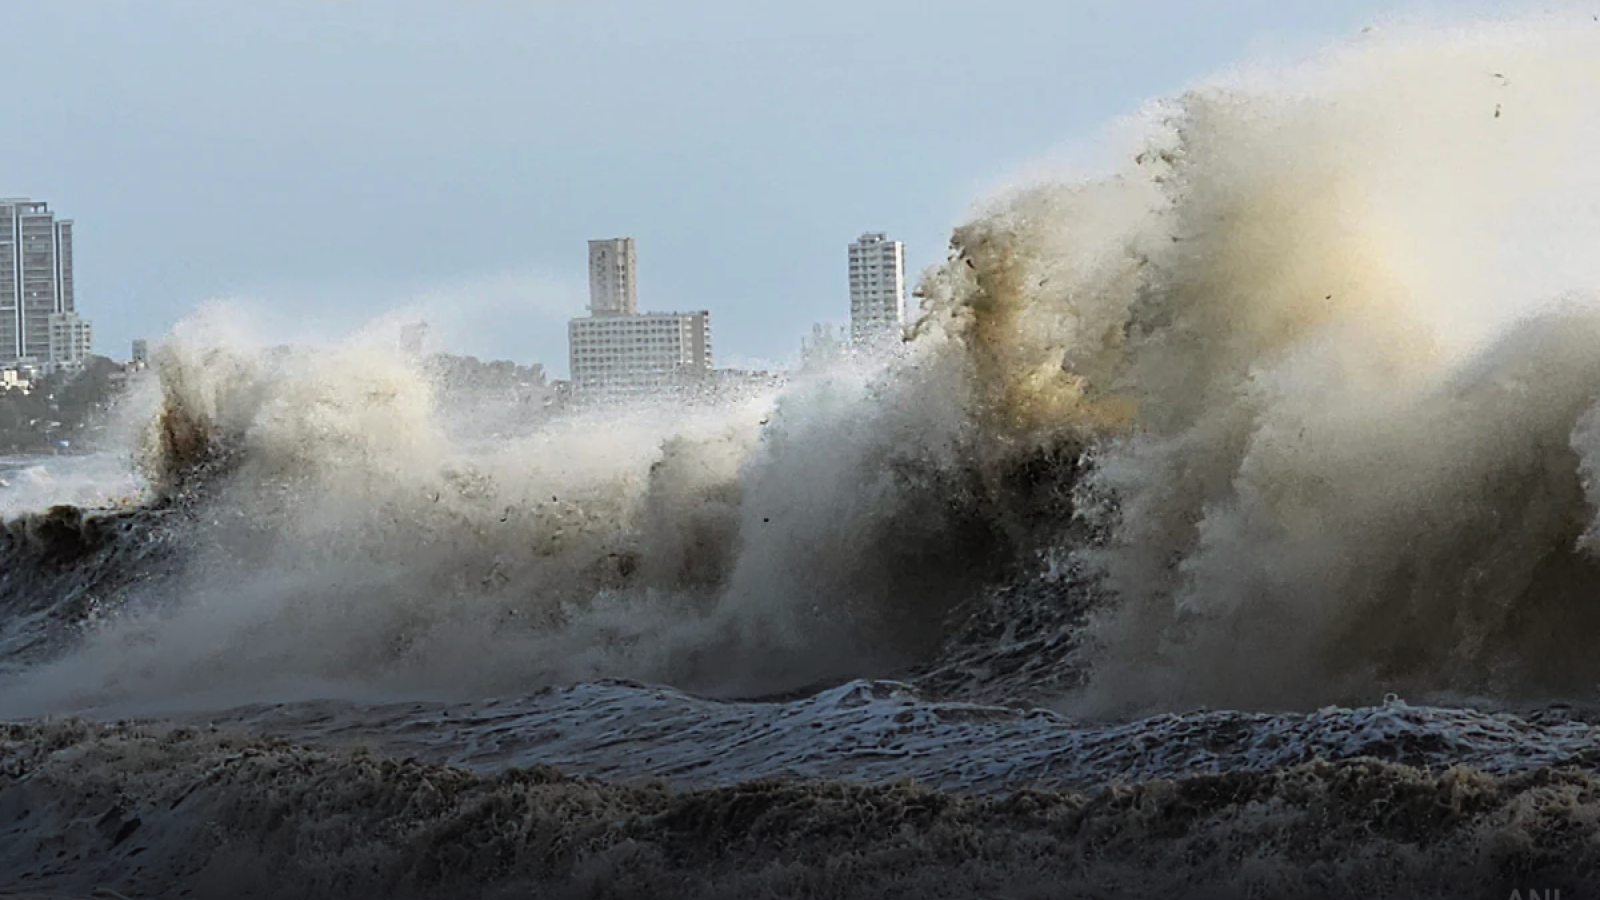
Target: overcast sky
{"points": [[324, 161]]}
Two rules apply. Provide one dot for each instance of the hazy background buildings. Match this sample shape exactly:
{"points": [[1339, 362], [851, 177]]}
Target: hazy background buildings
{"points": [[40, 329], [325, 163], [617, 351], [637, 354]]}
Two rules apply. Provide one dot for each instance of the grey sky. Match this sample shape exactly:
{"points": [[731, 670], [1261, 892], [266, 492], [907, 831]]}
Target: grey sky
{"points": [[331, 159]]}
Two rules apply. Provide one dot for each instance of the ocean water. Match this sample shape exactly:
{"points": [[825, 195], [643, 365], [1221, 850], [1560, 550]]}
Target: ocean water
{"points": [[97, 481], [1225, 527]]}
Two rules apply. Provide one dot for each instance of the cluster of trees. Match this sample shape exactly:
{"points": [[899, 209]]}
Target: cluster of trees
{"points": [[64, 407]]}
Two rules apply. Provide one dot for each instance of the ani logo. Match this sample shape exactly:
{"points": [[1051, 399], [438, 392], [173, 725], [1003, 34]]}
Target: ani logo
{"points": [[1536, 895]]}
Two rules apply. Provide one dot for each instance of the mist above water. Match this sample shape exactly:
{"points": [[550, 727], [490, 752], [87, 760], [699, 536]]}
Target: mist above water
{"points": [[1304, 393]]}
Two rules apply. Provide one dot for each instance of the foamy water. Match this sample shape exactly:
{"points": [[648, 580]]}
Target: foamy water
{"points": [[883, 732], [94, 481]]}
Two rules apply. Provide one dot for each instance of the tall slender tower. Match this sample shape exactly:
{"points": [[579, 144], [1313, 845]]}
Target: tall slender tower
{"points": [[877, 289], [36, 284], [613, 278]]}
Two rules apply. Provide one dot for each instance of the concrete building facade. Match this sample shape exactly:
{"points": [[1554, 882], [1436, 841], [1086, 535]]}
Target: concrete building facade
{"points": [[71, 340], [639, 354], [825, 345], [877, 289], [36, 287], [613, 277], [617, 351]]}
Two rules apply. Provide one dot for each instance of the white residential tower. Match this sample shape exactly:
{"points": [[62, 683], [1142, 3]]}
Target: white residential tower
{"points": [[877, 289]]}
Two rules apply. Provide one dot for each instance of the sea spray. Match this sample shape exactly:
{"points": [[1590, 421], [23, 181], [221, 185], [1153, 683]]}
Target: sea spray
{"points": [[1293, 408]]}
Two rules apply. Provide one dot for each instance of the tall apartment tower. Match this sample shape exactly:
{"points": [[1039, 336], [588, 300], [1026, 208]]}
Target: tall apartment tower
{"points": [[877, 289], [613, 278], [36, 288]]}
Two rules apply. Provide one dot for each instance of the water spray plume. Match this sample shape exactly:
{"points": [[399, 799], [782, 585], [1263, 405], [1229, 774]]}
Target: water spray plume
{"points": [[1295, 407]]}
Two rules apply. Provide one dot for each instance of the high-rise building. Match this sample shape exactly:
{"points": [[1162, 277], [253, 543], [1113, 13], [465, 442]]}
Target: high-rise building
{"points": [[616, 351], [71, 340], [640, 354], [613, 278], [877, 289], [36, 286], [139, 358]]}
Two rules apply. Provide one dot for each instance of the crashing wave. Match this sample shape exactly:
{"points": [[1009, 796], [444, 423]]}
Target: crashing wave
{"points": [[1296, 407], [1291, 397]]}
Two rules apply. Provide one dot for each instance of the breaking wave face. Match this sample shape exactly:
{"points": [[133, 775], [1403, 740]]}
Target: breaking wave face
{"points": [[1303, 396]]}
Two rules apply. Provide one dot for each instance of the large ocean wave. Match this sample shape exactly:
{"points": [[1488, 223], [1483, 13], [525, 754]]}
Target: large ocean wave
{"points": [[1300, 401]]}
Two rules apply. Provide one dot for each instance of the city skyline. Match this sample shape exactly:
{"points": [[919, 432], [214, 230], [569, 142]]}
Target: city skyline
{"points": [[613, 293], [494, 165]]}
